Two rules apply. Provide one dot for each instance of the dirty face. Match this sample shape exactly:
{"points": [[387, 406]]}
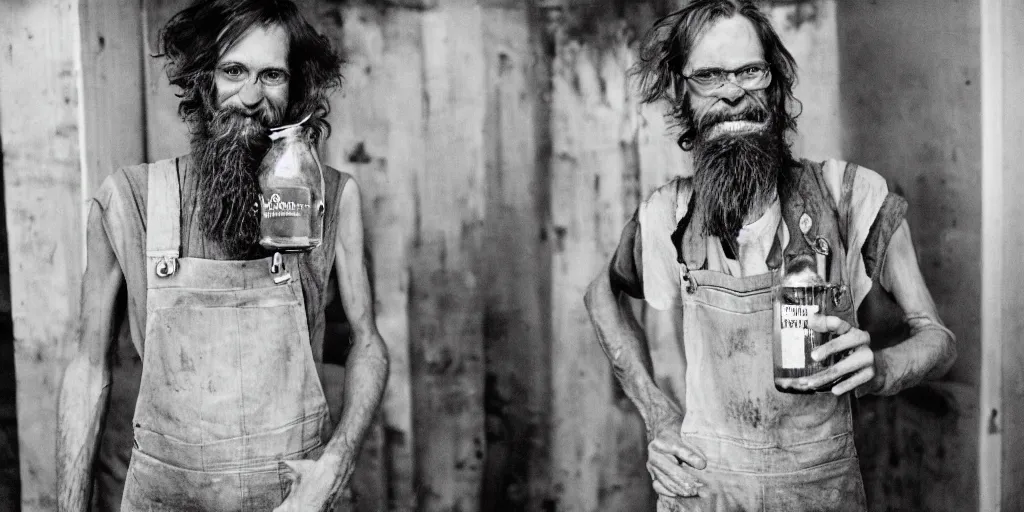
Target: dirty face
{"points": [[727, 79], [252, 75]]}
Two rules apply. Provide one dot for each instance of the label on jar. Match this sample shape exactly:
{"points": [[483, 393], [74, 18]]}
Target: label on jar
{"points": [[285, 212], [794, 334]]}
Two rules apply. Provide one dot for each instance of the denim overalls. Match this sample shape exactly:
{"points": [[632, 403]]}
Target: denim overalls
{"points": [[766, 450], [229, 386]]}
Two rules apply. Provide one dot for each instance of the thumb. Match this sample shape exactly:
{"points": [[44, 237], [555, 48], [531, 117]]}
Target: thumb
{"points": [[293, 469], [688, 454]]}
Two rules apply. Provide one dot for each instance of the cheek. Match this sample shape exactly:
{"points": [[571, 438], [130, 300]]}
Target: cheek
{"points": [[701, 105], [277, 96], [759, 97], [222, 94]]}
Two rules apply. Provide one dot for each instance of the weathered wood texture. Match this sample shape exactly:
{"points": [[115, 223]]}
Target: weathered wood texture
{"points": [[993, 96], [1012, 303], [446, 289], [166, 135], [377, 138], [112, 76], [597, 451], [49, 174], [40, 130], [809, 29], [909, 78], [516, 333]]}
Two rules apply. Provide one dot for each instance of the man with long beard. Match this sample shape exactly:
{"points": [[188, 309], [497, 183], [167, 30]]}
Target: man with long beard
{"points": [[230, 413], [713, 246]]}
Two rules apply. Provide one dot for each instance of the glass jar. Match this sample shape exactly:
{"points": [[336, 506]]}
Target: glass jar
{"points": [[291, 191], [796, 296]]}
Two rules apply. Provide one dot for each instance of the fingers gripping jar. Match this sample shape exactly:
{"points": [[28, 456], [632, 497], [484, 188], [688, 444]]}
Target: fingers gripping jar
{"points": [[798, 292]]}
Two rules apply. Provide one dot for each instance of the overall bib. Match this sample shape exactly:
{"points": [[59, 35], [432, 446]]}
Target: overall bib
{"points": [[229, 387], [766, 450]]}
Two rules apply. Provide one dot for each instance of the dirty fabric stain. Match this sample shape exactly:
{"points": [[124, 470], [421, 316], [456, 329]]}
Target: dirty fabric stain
{"points": [[746, 410], [739, 341]]}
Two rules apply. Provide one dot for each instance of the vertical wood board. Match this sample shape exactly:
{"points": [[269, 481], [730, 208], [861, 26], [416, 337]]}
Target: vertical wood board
{"points": [[40, 67], [1012, 276], [374, 139], [166, 134], [518, 367], [593, 145], [446, 309], [112, 75]]}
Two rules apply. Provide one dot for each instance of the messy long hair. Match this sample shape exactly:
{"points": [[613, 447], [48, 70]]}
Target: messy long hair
{"points": [[195, 38], [665, 49]]}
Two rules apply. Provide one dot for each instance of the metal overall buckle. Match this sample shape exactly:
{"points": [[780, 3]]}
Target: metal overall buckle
{"points": [[166, 266]]}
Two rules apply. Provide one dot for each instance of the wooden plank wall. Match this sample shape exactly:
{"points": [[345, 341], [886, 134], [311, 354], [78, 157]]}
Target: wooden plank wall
{"points": [[39, 73], [1004, 193], [62, 84], [166, 135], [516, 326], [594, 177], [383, 154]]}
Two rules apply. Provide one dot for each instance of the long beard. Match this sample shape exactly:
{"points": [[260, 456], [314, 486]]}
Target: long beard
{"points": [[736, 172], [227, 152]]}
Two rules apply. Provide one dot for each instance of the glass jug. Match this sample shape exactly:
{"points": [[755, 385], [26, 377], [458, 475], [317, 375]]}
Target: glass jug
{"points": [[291, 191], [798, 292]]}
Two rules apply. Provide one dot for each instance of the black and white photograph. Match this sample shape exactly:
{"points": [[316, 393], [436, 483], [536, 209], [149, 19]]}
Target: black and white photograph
{"points": [[511, 255]]}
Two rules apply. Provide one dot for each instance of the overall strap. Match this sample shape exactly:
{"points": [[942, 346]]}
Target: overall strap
{"points": [[812, 219], [163, 219]]}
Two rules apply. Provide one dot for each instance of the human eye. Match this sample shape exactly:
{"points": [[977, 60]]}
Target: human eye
{"points": [[707, 76], [752, 71], [274, 77], [234, 72]]}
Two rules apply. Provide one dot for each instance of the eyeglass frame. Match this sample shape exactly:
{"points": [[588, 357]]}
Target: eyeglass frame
{"points": [[731, 76], [225, 68]]}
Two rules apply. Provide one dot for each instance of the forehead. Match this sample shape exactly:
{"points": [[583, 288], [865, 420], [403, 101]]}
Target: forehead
{"points": [[727, 43], [260, 47]]}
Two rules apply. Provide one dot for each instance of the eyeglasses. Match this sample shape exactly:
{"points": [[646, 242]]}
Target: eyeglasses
{"points": [[752, 77], [239, 74]]}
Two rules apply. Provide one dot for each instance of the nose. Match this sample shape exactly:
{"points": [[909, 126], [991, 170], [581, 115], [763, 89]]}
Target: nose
{"points": [[251, 93], [731, 93]]}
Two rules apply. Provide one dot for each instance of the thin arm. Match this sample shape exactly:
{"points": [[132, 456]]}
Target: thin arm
{"points": [[625, 344], [930, 350], [366, 370], [83, 394]]}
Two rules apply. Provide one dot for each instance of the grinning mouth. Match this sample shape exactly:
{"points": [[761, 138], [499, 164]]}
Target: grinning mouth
{"points": [[735, 127]]}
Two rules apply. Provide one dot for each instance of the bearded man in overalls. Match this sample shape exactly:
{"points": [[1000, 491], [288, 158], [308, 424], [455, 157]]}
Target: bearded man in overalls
{"points": [[231, 414], [709, 248]]}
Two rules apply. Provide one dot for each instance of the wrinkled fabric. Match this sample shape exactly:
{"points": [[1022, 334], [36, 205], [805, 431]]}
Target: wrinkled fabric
{"points": [[868, 214], [827, 488], [122, 200], [229, 385], [766, 450]]}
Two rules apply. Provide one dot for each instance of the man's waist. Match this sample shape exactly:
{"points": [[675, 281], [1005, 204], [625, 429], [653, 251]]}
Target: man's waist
{"points": [[788, 455], [252, 452]]}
